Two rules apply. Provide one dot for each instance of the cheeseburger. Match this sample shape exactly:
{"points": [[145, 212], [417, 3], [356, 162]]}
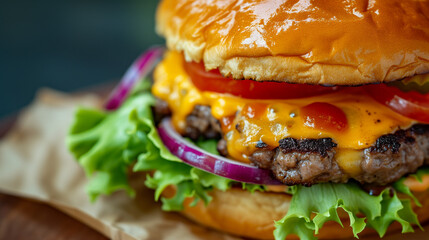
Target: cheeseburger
{"points": [[275, 119]]}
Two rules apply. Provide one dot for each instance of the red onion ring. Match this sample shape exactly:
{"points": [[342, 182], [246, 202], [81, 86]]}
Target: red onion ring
{"points": [[141, 67], [218, 165]]}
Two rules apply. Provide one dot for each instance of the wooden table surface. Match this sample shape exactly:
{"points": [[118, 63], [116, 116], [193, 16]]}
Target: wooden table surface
{"points": [[26, 219], [22, 218]]}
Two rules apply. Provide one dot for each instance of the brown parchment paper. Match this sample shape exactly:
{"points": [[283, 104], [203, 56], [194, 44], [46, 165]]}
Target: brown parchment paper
{"points": [[35, 163]]}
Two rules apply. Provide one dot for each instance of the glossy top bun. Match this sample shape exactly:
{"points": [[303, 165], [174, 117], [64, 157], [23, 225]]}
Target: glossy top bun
{"points": [[318, 42]]}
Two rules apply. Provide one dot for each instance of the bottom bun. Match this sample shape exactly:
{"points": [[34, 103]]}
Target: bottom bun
{"points": [[246, 214]]}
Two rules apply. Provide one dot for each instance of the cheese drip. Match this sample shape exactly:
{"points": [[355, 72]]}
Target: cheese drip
{"points": [[274, 120]]}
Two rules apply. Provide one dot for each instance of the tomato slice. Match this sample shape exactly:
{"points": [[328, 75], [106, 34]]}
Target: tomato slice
{"points": [[410, 104], [324, 116], [213, 81]]}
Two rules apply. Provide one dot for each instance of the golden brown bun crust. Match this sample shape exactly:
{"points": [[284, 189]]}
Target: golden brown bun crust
{"points": [[245, 214], [318, 42]]}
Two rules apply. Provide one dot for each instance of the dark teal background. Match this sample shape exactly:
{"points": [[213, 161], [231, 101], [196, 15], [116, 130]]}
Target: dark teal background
{"points": [[68, 45]]}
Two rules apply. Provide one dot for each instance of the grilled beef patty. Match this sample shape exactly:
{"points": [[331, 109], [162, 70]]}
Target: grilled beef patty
{"points": [[310, 161]]}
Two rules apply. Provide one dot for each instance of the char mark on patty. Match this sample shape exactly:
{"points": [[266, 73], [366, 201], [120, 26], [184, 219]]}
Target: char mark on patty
{"points": [[321, 146], [420, 129], [392, 142]]}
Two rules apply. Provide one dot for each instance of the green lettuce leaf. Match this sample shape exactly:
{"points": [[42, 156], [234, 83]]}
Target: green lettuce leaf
{"points": [[402, 188], [420, 173], [210, 145], [312, 206], [106, 144]]}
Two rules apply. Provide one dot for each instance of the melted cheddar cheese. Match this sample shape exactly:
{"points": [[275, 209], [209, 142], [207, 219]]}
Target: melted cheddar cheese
{"points": [[272, 120]]}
